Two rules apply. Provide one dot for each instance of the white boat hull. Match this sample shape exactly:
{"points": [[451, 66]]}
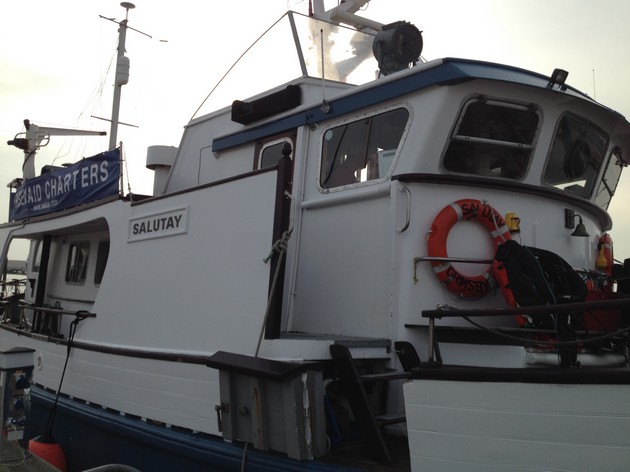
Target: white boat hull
{"points": [[508, 426]]}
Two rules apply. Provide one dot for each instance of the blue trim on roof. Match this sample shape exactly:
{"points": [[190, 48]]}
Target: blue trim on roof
{"points": [[450, 71]]}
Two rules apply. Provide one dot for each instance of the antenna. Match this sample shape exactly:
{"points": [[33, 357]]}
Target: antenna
{"points": [[127, 6], [122, 70], [594, 92]]}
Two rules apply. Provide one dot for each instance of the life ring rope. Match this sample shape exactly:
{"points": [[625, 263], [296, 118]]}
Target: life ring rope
{"points": [[468, 287]]}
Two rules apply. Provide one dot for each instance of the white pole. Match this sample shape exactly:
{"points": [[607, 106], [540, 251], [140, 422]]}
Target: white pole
{"points": [[122, 75]]}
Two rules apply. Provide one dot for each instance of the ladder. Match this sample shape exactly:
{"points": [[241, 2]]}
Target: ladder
{"points": [[352, 383]]}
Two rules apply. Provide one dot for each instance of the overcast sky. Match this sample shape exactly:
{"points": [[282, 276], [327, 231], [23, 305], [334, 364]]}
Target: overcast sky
{"points": [[54, 56]]}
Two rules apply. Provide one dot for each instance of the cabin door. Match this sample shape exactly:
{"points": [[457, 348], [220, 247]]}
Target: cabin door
{"points": [[344, 268], [343, 280]]}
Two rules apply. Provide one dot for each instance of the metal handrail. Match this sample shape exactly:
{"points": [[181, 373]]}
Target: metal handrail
{"points": [[57, 311], [465, 260], [565, 309], [53, 311]]}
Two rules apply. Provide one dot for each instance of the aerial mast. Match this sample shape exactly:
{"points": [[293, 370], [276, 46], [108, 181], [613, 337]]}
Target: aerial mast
{"points": [[122, 74], [38, 136]]}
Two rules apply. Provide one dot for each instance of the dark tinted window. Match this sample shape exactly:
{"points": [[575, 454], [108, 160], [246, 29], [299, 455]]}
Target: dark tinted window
{"points": [[608, 185], [362, 150], [576, 157], [101, 261], [76, 268], [493, 139]]}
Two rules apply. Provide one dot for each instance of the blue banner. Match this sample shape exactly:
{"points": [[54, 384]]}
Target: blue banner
{"points": [[90, 179]]}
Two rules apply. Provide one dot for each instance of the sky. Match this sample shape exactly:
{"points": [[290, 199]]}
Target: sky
{"points": [[55, 55]]}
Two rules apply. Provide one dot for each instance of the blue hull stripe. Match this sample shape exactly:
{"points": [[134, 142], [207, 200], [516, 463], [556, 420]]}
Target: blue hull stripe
{"points": [[92, 436]]}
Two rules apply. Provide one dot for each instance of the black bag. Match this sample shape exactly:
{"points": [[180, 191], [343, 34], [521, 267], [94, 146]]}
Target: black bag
{"points": [[538, 277]]}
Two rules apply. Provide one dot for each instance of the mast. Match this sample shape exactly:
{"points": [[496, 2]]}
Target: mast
{"points": [[122, 74]]}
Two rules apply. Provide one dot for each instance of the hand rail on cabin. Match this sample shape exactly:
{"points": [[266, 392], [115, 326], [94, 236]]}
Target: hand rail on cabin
{"points": [[465, 260]]}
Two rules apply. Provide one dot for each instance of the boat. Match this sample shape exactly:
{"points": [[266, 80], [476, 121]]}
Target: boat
{"points": [[381, 263]]}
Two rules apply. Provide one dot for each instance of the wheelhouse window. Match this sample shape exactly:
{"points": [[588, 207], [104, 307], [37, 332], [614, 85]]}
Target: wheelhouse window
{"points": [[576, 156], [610, 179], [492, 139], [271, 153], [76, 267], [101, 261], [362, 150]]}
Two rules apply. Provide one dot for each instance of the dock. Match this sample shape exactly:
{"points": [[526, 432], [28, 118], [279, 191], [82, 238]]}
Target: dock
{"points": [[15, 459]]}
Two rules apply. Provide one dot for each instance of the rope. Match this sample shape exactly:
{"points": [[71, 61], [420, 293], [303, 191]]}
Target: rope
{"points": [[122, 175], [232, 67], [494, 220], [279, 247]]}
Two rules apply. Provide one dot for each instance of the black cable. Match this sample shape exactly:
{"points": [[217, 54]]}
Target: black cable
{"points": [[53, 411]]}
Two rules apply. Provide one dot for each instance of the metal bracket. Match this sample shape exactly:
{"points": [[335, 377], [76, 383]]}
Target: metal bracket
{"points": [[224, 407]]}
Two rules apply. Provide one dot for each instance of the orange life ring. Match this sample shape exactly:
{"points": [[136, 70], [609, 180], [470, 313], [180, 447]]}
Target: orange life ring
{"points": [[460, 210]]}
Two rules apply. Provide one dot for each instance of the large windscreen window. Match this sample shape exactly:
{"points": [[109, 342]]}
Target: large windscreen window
{"points": [[362, 150], [492, 139], [576, 156]]}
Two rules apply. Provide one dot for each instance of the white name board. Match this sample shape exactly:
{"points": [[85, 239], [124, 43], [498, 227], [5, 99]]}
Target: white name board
{"points": [[158, 225]]}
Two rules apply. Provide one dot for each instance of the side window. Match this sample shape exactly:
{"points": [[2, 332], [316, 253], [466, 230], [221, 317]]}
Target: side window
{"points": [[492, 139], [576, 156], [608, 185], [271, 152], [36, 255], [101, 261], [15, 265], [363, 150], [76, 267]]}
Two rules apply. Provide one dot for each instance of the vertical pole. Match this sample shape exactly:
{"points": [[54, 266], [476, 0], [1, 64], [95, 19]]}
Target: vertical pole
{"points": [[122, 35], [282, 223], [40, 295], [28, 168], [431, 339]]}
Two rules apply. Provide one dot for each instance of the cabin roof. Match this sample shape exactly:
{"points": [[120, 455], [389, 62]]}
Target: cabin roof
{"points": [[447, 71]]}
